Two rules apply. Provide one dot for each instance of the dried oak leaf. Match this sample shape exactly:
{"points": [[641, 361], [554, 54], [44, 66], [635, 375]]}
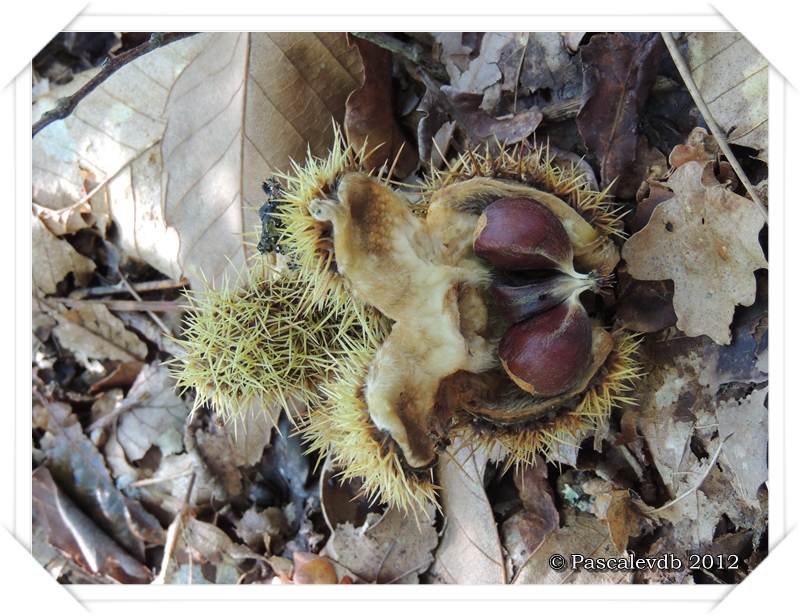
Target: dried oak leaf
{"points": [[705, 239], [369, 114], [391, 548], [744, 454], [154, 415], [618, 74]]}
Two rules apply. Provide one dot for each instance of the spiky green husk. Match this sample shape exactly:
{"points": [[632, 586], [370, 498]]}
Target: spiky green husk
{"points": [[260, 343], [340, 428], [534, 165], [612, 388]]}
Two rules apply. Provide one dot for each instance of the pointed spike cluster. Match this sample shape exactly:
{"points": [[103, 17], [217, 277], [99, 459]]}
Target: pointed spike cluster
{"points": [[258, 343]]}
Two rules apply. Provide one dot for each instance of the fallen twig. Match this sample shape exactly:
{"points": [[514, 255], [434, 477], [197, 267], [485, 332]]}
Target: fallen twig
{"points": [[173, 531], [686, 74], [125, 304], [121, 288], [696, 487], [66, 106]]}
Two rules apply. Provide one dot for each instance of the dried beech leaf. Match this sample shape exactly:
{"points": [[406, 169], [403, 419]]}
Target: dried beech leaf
{"points": [[54, 258], [76, 536], [618, 74], [154, 415], [369, 118], [733, 80], [705, 239], [470, 551], [394, 547], [91, 331], [248, 104], [112, 139]]}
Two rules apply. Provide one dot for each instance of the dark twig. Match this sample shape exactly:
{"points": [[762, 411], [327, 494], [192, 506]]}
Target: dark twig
{"points": [[66, 106]]}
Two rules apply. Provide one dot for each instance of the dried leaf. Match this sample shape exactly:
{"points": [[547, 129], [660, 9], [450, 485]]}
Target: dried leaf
{"points": [[245, 106], [91, 331], [256, 528], [369, 118], [394, 547], [80, 469], [122, 376], [582, 534], [705, 239], [733, 79], [154, 415], [113, 139], [54, 258], [548, 66], [470, 551], [744, 454], [526, 530], [482, 127], [618, 74], [76, 536]]}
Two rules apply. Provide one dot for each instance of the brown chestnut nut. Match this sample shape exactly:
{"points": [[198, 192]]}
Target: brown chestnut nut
{"points": [[548, 353], [518, 233]]}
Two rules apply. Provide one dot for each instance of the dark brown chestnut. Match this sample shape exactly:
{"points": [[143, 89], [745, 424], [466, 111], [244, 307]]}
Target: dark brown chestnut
{"points": [[518, 233], [548, 353]]}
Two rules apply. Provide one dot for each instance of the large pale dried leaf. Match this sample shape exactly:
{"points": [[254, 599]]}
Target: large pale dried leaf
{"points": [[618, 74], [110, 144], [394, 547], [470, 551], [582, 534], [744, 454], [81, 471], [677, 420], [705, 239], [91, 331], [733, 79], [154, 415], [247, 105], [75, 535], [54, 258]]}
